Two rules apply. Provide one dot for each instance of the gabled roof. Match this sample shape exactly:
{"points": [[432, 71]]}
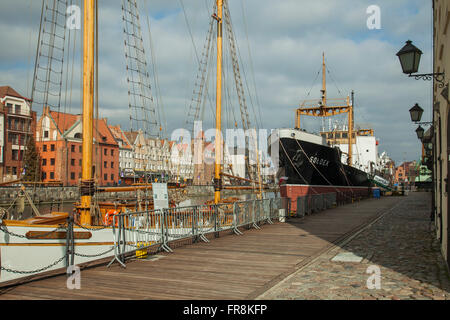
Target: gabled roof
{"points": [[131, 136], [102, 133], [8, 91], [66, 122], [120, 135]]}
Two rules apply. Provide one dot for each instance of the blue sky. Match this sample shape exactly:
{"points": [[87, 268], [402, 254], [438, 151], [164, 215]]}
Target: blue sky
{"points": [[286, 40]]}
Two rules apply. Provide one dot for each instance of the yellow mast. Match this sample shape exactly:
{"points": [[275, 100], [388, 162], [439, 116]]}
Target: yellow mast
{"points": [[218, 142], [324, 81], [88, 103], [350, 132]]}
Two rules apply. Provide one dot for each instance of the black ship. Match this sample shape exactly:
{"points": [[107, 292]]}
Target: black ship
{"points": [[306, 159]]}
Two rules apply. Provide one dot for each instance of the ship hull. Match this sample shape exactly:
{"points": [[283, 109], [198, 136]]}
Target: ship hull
{"points": [[307, 167]]}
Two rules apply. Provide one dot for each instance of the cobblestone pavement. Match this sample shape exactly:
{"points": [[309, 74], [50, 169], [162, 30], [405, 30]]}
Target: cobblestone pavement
{"points": [[402, 244]]}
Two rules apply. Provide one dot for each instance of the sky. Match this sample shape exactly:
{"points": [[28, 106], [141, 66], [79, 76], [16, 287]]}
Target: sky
{"points": [[280, 46]]}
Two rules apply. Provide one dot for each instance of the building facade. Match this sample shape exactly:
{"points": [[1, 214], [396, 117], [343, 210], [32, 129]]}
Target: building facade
{"points": [[17, 124], [126, 154], [59, 141], [441, 121]]}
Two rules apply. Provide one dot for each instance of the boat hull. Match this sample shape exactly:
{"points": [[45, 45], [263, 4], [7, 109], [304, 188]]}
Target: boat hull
{"points": [[307, 167]]}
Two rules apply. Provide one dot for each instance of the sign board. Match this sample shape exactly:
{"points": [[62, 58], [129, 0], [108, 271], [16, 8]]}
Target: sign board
{"points": [[160, 196], [381, 180]]}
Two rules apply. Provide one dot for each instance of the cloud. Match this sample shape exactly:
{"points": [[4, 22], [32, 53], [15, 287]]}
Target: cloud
{"points": [[286, 40]]}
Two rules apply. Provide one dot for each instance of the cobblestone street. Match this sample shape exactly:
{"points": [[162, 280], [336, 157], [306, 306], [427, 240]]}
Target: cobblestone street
{"points": [[402, 244]]}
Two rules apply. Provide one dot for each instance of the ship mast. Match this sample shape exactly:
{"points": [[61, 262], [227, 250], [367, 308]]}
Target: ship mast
{"points": [[218, 141], [88, 104], [326, 110]]}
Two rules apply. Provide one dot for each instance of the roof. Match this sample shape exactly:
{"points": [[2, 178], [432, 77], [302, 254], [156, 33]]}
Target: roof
{"points": [[102, 133], [8, 91], [131, 136], [65, 121], [120, 135]]}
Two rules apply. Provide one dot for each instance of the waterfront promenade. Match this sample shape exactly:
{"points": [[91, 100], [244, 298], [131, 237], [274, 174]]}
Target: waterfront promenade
{"points": [[291, 260]]}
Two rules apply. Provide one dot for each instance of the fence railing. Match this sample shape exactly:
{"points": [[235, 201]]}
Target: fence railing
{"points": [[136, 232]]}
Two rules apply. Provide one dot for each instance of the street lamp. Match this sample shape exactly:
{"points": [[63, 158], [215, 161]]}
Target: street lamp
{"points": [[416, 113], [420, 131], [409, 57]]}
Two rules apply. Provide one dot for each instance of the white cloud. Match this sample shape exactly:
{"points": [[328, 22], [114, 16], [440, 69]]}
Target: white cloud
{"points": [[286, 39]]}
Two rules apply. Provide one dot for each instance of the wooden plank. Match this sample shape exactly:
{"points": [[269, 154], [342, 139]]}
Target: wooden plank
{"points": [[43, 235]]}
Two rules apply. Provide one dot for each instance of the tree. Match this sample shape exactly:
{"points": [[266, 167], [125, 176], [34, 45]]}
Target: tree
{"points": [[32, 161]]}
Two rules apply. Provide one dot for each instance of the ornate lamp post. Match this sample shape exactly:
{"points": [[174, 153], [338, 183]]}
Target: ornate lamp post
{"points": [[409, 57]]}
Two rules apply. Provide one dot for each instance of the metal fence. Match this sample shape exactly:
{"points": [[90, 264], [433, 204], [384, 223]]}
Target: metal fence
{"points": [[135, 232]]}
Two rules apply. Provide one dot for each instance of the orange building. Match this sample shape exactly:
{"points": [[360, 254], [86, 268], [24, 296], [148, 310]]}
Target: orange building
{"points": [[59, 141]]}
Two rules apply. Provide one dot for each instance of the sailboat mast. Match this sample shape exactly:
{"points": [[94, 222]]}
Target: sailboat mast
{"points": [[218, 141], [324, 81], [88, 104]]}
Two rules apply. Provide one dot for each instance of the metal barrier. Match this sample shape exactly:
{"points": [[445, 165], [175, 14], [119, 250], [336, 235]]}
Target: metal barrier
{"points": [[138, 231]]}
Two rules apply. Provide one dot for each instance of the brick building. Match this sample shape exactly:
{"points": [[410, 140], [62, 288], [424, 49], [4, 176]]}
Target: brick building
{"points": [[17, 123], [59, 141]]}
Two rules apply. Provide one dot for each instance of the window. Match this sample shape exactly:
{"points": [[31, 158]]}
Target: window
{"points": [[112, 165], [81, 149], [79, 162], [15, 155], [112, 177], [105, 151], [44, 148], [14, 171], [52, 147], [17, 111], [345, 135], [105, 176], [72, 175], [8, 170], [52, 175], [105, 164], [45, 134], [9, 107], [72, 162], [72, 148], [44, 175], [13, 138], [52, 161], [338, 135], [78, 136], [44, 162], [112, 152]]}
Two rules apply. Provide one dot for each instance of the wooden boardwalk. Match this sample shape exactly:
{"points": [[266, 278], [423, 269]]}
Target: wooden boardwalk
{"points": [[228, 268]]}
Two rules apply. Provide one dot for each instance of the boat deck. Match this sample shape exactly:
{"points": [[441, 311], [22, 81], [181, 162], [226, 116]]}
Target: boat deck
{"points": [[228, 268]]}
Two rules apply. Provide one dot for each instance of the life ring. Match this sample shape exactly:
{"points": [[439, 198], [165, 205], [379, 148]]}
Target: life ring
{"points": [[108, 219]]}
